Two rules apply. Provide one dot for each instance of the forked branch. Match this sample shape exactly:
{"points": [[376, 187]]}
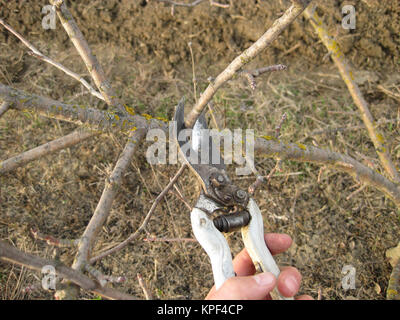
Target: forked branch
{"points": [[249, 54], [104, 206], [10, 254], [146, 220], [273, 148], [299, 152], [36, 53], [91, 62]]}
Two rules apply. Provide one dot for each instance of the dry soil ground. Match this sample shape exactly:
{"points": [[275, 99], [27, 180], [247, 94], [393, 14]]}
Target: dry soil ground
{"points": [[144, 50]]}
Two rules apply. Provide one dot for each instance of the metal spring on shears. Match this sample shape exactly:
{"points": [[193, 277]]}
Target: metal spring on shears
{"points": [[232, 221]]}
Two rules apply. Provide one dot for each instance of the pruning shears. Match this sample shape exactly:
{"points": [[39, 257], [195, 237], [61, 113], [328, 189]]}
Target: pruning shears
{"points": [[221, 207]]}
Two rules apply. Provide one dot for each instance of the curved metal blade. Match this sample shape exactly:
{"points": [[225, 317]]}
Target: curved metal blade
{"points": [[198, 149]]}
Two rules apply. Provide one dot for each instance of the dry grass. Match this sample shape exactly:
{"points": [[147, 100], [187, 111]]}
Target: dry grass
{"points": [[332, 225]]}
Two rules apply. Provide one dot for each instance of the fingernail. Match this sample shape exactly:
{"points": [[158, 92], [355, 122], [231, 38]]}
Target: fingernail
{"points": [[292, 284], [265, 279]]}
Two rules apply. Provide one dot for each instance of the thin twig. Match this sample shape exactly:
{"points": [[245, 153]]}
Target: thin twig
{"points": [[145, 290], [250, 75], [69, 140], [348, 77], [356, 192], [279, 126], [146, 220], [194, 3], [389, 93], [193, 72], [36, 53], [170, 240], [102, 278], [50, 240], [12, 255], [181, 197]]}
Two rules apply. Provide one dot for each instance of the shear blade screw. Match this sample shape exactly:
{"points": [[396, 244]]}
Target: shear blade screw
{"points": [[241, 194]]}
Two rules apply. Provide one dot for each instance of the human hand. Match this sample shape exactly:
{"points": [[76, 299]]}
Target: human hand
{"points": [[247, 286]]}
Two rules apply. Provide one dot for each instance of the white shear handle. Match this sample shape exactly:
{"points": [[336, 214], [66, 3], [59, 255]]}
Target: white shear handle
{"points": [[253, 238], [215, 245]]}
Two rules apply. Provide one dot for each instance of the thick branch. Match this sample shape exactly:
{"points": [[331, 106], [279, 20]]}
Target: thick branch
{"points": [[12, 255], [275, 149], [104, 206], [78, 114], [263, 42], [348, 77], [45, 149], [302, 153], [91, 62]]}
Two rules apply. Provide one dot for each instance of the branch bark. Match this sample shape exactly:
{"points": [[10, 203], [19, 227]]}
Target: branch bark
{"points": [[269, 146], [78, 114], [263, 42], [299, 152], [12, 255], [4, 107], [36, 53], [104, 206], [45, 149], [348, 77], [146, 220], [194, 3], [91, 62], [102, 211]]}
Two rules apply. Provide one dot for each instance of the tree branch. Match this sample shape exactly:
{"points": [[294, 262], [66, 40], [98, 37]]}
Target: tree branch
{"points": [[270, 146], [12, 255], [393, 290], [102, 211], [91, 62], [298, 152], [36, 53], [348, 77], [4, 107], [194, 3], [50, 147], [263, 42], [146, 220], [104, 206], [78, 114]]}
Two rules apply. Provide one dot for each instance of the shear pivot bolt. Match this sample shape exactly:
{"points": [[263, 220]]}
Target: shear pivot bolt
{"points": [[220, 178], [241, 194]]}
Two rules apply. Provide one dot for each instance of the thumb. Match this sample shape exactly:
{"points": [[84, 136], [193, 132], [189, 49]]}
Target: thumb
{"points": [[254, 287]]}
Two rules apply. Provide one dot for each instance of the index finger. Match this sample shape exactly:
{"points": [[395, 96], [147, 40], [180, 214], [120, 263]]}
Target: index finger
{"points": [[276, 243]]}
